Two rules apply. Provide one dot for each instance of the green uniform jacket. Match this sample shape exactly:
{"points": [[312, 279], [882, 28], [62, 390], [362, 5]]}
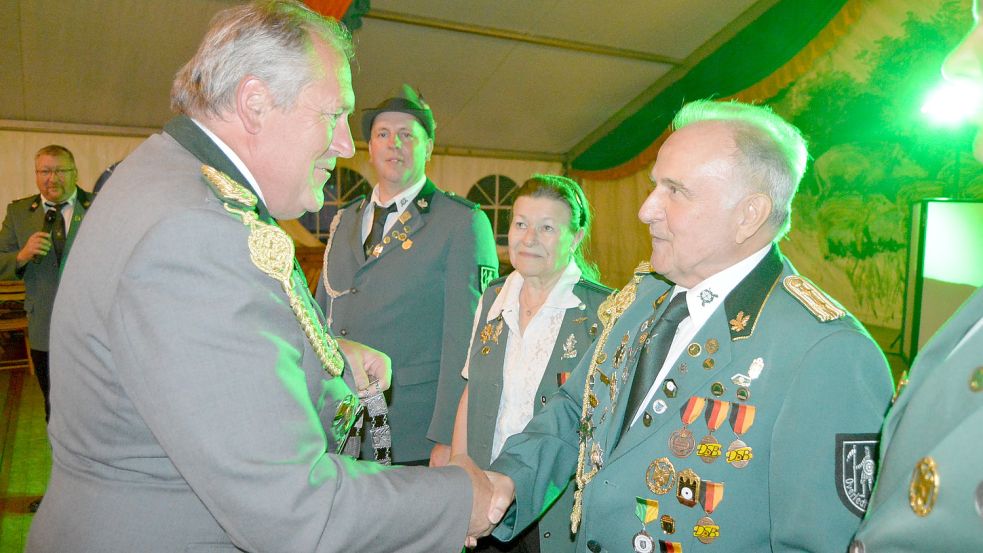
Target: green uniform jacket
{"points": [[416, 303], [25, 217], [937, 416], [822, 387], [485, 380]]}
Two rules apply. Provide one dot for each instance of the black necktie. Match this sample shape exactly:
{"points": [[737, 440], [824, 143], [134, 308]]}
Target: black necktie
{"points": [[378, 226], [653, 355], [54, 221]]}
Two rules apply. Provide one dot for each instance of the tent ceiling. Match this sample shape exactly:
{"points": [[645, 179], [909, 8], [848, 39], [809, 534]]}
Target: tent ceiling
{"points": [[532, 78]]}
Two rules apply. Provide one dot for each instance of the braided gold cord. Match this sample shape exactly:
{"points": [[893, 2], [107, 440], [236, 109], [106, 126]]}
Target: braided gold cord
{"points": [[609, 312]]}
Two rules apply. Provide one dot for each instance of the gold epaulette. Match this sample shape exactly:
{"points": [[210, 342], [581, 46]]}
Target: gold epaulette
{"points": [[817, 302]]}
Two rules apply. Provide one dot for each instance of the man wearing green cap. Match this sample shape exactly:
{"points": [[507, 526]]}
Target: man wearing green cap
{"points": [[403, 272]]}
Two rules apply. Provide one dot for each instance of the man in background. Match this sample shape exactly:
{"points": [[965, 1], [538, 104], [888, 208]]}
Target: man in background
{"points": [[35, 239], [403, 272]]}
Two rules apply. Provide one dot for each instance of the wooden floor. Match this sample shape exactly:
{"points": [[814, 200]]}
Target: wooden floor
{"points": [[25, 458]]}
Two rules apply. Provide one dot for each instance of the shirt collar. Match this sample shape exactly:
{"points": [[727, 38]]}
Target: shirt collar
{"points": [[561, 296], [402, 199], [704, 298], [233, 157], [52, 203]]}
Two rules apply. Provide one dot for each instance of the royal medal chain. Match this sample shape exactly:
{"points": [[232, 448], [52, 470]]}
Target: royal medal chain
{"points": [[272, 251], [608, 313]]}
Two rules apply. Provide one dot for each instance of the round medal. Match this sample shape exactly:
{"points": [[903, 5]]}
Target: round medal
{"points": [[682, 443], [739, 454], [642, 542], [709, 449], [706, 530], [660, 476]]}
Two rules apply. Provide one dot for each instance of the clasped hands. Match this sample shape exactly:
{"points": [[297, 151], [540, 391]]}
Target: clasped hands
{"points": [[492, 494]]}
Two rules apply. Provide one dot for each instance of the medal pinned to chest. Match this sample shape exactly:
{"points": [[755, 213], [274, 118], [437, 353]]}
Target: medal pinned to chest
{"points": [[739, 454], [396, 235], [681, 442], [646, 510]]}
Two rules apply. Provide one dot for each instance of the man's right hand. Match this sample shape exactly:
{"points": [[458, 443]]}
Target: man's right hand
{"points": [[491, 498], [37, 246]]}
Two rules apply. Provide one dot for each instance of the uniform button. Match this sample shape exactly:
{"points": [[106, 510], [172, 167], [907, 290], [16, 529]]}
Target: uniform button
{"points": [[857, 546], [343, 332], [546, 534], [354, 290], [542, 399], [593, 546]]}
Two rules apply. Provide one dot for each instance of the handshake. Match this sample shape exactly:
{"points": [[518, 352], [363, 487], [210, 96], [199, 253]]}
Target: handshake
{"points": [[492, 494]]}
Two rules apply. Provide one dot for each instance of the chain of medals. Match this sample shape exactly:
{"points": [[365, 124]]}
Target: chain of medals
{"points": [[608, 313], [272, 251]]}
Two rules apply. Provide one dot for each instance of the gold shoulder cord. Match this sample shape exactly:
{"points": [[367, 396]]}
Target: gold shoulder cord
{"points": [[332, 293], [272, 251], [608, 313]]}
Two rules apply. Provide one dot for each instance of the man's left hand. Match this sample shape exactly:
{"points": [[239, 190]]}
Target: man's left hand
{"points": [[368, 365]]}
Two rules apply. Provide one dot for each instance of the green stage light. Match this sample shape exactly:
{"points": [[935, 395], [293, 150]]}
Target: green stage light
{"points": [[952, 103]]}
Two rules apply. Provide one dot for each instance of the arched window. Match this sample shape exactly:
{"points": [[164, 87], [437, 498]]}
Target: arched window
{"points": [[343, 186], [494, 194]]}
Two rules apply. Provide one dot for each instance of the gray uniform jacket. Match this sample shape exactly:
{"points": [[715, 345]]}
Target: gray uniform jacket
{"points": [[415, 301], [194, 414], [25, 217], [821, 389], [929, 492], [485, 381]]}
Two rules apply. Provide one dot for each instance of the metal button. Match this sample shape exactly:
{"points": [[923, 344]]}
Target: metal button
{"points": [[593, 546], [354, 290], [857, 546], [546, 534], [343, 332], [542, 399]]}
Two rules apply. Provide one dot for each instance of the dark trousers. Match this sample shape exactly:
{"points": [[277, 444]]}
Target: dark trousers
{"points": [[40, 359]]}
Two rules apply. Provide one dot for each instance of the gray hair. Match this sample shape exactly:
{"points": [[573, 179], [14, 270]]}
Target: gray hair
{"points": [[270, 40], [774, 151]]}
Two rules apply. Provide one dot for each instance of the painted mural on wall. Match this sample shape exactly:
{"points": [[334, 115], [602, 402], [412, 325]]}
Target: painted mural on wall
{"points": [[874, 153]]}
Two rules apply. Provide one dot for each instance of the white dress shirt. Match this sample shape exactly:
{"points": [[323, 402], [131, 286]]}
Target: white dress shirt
{"points": [[402, 201], [66, 212]]}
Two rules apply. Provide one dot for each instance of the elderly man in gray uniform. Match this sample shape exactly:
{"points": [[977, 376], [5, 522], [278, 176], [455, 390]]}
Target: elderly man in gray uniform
{"points": [[37, 233], [200, 400], [929, 493], [728, 410], [403, 272]]}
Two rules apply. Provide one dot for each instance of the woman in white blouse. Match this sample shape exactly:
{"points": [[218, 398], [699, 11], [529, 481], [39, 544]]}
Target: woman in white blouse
{"points": [[530, 330]]}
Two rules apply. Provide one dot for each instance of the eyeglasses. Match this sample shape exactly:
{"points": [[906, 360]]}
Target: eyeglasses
{"points": [[56, 172]]}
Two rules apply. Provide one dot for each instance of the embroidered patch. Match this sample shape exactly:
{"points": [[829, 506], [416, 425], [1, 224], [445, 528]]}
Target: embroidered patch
{"points": [[485, 276], [856, 464]]}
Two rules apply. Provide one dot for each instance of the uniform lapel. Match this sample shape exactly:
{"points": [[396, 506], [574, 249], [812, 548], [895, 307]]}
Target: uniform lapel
{"points": [[354, 237], [709, 357]]}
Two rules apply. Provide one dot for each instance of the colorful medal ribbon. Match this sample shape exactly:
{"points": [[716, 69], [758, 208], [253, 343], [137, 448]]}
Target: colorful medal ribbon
{"points": [[691, 411], [670, 547], [741, 418], [646, 510], [711, 494], [717, 414]]}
